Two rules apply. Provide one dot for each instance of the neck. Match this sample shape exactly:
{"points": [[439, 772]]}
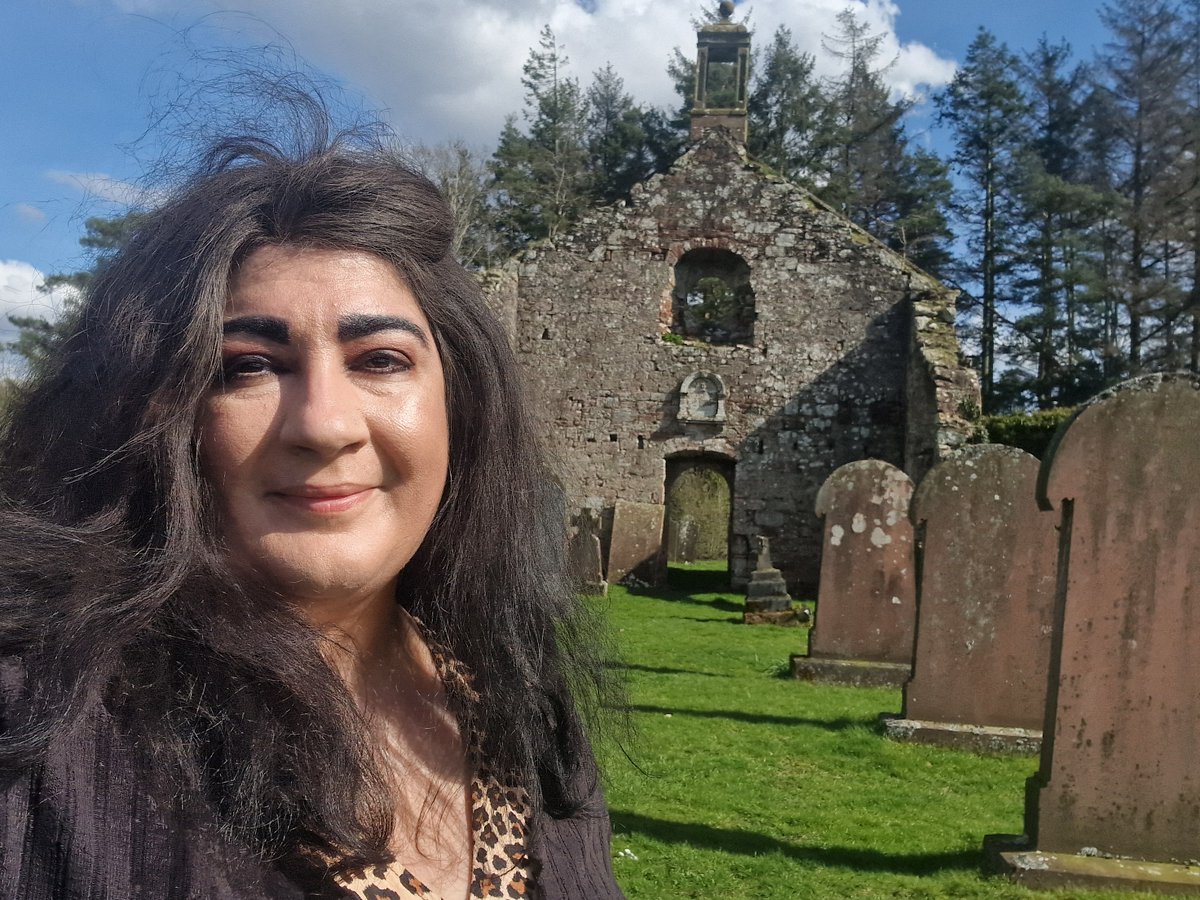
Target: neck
{"points": [[377, 649]]}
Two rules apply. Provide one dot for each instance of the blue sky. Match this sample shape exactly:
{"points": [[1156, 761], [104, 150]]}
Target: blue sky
{"points": [[80, 78]]}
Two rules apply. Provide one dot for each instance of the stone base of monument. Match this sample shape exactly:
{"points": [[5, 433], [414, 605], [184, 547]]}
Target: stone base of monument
{"points": [[977, 738], [855, 672], [790, 617], [1010, 855], [595, 589]]}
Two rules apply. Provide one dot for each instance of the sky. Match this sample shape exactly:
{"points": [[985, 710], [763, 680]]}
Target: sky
{"points": [[83, 83]]}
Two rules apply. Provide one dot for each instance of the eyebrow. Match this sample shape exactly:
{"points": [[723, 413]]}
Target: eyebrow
{"points": [[350, 327], [362, 324], [266, 327]]}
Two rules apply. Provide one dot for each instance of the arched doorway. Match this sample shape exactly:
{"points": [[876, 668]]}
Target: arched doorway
{"points": [[699, 505]]}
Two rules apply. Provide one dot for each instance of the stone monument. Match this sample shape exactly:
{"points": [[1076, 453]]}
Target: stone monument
{"points": [[586, 556], [767, 598], [988, 556], [636, 548], [1116, 799], [866, 606]]}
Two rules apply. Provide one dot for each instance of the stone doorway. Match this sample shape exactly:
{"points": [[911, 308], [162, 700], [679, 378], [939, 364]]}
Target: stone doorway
{"points": [[699, 506]]}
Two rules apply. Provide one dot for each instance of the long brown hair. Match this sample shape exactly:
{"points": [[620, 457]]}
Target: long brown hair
{"points": [[113, 587]]}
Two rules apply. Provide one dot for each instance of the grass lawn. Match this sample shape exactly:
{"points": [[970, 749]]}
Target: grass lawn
{"points": [[742, 783]]}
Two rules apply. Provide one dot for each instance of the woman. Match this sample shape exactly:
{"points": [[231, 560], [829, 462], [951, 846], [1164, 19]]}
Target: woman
{"points": [[283, 609]]}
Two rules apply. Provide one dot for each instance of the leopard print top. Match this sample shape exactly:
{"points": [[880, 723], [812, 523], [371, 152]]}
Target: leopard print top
{"points": [[499, 823]]}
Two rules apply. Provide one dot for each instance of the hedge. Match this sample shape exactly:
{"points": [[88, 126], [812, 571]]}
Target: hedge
{"points": [[1031, 431]]}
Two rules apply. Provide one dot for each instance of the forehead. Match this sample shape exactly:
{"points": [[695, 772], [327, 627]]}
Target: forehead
{"points": [[298, 283]]}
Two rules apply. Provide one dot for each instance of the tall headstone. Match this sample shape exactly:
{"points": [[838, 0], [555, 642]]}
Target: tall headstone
{"points": [[636, 548], [866, 604], [682, 532], [1116, 800], [585, 554], [988, 558]]}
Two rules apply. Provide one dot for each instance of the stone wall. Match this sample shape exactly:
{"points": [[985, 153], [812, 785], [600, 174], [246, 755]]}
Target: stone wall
{"points": [[833, 372]]}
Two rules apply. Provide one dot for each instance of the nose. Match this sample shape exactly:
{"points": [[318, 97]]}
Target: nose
{"points": [[322, 412]]}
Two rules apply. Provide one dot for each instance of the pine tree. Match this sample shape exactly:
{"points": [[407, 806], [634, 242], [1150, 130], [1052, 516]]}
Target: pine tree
{"points": [[103, 238], [871, 175], [1145, 75], [922, 195], [1191, 34], [541, 177], [985, 107], [616, 138], [1058, 338], [788, 113], [681, 70], [866, 125]]}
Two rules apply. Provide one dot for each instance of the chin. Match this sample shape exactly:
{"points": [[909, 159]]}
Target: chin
{"points": [[323, 575]]}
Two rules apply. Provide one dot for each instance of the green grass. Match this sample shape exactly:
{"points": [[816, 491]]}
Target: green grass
{"points": [[741, 783]]}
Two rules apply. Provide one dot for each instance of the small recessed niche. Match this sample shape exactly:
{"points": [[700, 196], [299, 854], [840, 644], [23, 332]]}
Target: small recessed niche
{"points": [[545, 334], [612, 438], [641, 442]]}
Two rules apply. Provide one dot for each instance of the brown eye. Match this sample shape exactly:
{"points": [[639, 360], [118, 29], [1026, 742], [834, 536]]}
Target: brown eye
{"points": [[384, 361], [247, 366]]}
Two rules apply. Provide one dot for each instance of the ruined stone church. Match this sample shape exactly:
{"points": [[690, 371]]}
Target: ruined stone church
{"points": [[725, 324]]}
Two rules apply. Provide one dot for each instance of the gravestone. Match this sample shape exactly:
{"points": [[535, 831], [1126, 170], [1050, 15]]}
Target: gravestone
{"points": [[1116, 799], [636, 547], [866, 605], [681, 539], [767, 598], [988, 558], [586, 556]]}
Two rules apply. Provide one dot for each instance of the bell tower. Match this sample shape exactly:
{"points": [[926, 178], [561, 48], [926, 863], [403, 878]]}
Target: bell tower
{"points": [[722, 75]]}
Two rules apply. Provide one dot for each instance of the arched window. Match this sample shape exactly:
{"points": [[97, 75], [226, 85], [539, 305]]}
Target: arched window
{"points": [[713, 300]]}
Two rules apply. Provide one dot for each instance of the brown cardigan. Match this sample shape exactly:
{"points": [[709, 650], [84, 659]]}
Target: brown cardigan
{"points": [[85, 825]]}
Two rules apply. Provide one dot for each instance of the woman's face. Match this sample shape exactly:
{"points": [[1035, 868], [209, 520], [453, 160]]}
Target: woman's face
{"points": [[327, 442]]}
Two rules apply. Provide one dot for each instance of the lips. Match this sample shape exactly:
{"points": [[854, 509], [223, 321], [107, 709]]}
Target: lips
{"points": [[323, 499]]}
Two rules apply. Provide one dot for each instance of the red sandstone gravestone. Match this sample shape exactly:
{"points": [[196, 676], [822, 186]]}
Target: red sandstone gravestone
{"points": [[636, 547], [866, 604], [1116, 800], [984, 613]]}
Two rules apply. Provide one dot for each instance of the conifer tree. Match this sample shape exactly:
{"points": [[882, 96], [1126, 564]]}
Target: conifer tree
{"points": [[1058, 339], [616, 138], [872, 176], [541, 176], [1191, 35], [1144, 71], [985, 108], [788, 113], [103, 237]]}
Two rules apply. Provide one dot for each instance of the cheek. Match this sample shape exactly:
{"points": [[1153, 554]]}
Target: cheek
{"points": [[227, 439]]}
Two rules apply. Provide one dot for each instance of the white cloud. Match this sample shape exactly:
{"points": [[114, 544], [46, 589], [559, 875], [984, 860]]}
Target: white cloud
{"points": [[102, 187], [453, 68], [21, 295], [30, 213]]}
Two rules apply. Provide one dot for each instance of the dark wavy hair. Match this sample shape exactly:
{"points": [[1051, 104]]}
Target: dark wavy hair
{"points": [[114, 592]]}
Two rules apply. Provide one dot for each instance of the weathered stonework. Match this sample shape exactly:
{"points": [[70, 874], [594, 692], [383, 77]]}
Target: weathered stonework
{"points": [[1116, 799], [988, 561], [851, 352], [867, 609]]}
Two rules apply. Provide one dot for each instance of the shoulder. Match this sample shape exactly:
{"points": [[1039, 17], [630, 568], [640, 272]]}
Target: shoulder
{"points": [[94, 818], [573, 855]]}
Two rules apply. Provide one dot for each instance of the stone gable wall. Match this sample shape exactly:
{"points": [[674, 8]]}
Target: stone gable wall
{"points": [[824, 381]]}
